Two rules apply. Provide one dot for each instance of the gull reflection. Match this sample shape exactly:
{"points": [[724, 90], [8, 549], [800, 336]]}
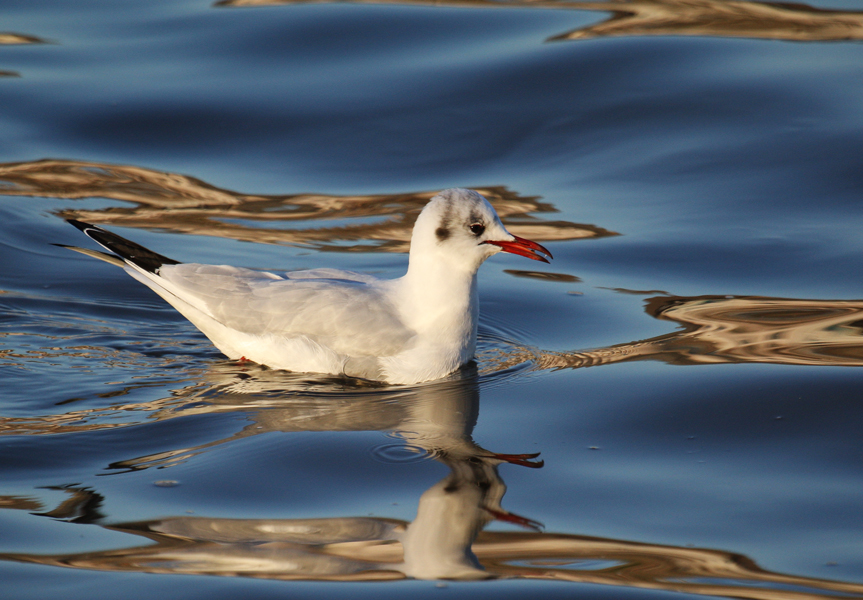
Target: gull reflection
{"points": [[436, 419], [445, 540], [717, 18]]}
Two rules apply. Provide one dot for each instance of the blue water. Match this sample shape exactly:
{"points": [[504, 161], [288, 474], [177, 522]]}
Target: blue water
{"points": [[688, 367]]}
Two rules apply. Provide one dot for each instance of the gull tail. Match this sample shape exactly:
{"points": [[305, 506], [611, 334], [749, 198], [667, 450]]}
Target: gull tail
{"points": [[124, 251], [108, 258], [146, 266]]}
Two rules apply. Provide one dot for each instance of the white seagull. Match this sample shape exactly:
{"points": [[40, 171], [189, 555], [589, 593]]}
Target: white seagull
{"points": [[416, 328]]}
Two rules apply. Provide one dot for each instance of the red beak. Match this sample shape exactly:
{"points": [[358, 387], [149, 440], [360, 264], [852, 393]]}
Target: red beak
{"points": [[522, 247]]}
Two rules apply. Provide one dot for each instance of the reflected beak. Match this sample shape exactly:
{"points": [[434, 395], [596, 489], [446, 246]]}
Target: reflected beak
{"points": [[522, 247], [505, 515]]}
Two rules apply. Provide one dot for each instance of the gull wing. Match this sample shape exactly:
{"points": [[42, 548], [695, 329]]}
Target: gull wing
{"points": [[347, 312]]}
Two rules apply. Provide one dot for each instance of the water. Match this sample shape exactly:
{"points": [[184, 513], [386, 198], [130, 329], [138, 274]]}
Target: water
{"points": [[687, 367]]}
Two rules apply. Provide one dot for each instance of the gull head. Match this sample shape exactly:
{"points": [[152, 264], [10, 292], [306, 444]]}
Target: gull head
{"points": [[461, 228]]}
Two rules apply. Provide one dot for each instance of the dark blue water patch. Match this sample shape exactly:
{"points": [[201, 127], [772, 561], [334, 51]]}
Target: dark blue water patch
{"points": [[641, 127], [785, 257], [44, 529], [82, 378], [778, 587], [575, 565], [810, 411], [94, 375], [80, 456], [181, 106], [403, 35], [81, 304], [746, 169], [90, 20], [595, 318], [313, 474], [835, 4], [647, 468]]}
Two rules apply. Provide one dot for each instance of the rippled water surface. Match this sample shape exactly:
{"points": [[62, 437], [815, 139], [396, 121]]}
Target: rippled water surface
{"points": [[673, 406]]}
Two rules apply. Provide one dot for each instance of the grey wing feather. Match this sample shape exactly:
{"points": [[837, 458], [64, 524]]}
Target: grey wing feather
{"points": [[344, 311]]}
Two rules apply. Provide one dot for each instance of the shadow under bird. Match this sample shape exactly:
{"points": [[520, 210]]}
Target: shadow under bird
{"points": [[415, 328]]}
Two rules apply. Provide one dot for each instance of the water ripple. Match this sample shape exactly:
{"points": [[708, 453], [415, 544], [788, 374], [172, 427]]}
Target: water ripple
{"points": [[399, 453]]}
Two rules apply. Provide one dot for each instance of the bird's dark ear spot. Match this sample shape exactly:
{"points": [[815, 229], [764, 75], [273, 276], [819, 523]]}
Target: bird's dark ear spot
{"points": [[442, 233]]}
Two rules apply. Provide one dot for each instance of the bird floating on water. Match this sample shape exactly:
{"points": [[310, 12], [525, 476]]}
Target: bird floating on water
{"points": [[415, 328]]}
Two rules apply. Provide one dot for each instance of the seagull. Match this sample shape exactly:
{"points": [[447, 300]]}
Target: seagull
{"points": [[415, 328]]}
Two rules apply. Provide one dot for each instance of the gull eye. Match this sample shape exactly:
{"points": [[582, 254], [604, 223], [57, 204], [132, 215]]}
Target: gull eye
{"points": [[477, 229]]}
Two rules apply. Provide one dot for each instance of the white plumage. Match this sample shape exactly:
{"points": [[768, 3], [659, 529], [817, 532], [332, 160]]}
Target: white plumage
{"points": [[419, 327]]}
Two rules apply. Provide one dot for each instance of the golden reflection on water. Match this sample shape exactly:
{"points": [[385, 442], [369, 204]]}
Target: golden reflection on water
{"points": [[739, 329], [174, 202], [10, 38], [717, 18], [372, 549], [543, 275]]}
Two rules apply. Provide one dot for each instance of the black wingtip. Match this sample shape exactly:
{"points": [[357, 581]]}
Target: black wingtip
{"points": [[127, 250], [79, 224], [82, 225]]}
